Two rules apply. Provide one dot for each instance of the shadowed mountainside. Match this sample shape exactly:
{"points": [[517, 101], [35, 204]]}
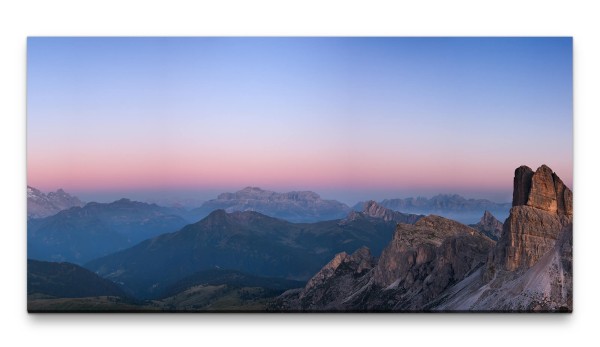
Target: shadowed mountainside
{"points": [[66, 280], [246, 241], [80, 234]]}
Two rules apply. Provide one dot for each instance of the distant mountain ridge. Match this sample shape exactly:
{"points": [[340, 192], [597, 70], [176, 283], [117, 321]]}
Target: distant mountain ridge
{"points": [[296, 206], [80, 234], [451, 206], [40, 205]]}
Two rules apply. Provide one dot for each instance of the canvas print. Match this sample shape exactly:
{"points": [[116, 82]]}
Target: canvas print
{"points": [[299, 174]]}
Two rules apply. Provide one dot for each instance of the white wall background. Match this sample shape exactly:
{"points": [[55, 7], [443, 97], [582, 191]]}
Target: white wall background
{"points": [[19, 19]]}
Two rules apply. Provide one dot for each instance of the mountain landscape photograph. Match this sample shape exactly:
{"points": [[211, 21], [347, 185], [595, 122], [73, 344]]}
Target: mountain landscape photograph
{"points": [[299, 174]]}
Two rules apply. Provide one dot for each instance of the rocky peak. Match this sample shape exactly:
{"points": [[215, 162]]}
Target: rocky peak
{"points": [[41, 205], [444, 225], [489, 226], [256, 193], [371, 205], [487, 217], [415, 246], [522, 185], [327, 271], [362, 259], [542, 189], [295, 206], [59, 194], [215, 218], [374, 210], [424, 259], [358, 263], [542, 207], [246, 193]]}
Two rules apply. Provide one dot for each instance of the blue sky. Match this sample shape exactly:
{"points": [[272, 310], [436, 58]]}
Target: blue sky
{"points": [[351, 118]]}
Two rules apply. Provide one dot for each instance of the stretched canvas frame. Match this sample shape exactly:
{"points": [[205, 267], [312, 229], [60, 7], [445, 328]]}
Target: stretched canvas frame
{"points": [[392, 123]]}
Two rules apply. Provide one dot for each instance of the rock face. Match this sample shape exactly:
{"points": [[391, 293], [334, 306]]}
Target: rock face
{"points": [[336, 280], [564, 196], [441, 265], [419, 263], [489, 226], [374, 210], [531, 266], [547, 286], [543, 190], [414, 246], [40, 205], [304, 206], [360, 261], [534, 224], [529, 233], [522, 185]]}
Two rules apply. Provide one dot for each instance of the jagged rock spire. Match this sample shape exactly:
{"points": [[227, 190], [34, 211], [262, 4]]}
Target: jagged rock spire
{"points": [[542, 189], [542, 208]]}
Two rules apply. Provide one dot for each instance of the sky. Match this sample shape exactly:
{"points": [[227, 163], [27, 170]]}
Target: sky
{"points": [[349, 118]]}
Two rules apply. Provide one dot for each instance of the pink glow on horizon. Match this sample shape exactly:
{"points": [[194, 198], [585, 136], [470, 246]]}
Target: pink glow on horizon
{"points": [[322, 114], [331, 169]]}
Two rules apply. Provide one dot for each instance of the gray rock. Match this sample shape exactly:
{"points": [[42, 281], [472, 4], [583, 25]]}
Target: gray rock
{"points": [[303, 206], [489, 226], [441, 265], [372, 209], [40, 205]]}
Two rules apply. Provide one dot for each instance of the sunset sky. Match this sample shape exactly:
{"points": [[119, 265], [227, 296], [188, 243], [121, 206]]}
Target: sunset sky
{"points": [[349, 118]]}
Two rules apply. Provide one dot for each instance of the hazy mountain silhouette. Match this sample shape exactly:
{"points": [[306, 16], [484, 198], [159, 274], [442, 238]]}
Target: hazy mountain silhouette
{"points": [[40, 205], [451, 206], [80, 234], [303, 206]]}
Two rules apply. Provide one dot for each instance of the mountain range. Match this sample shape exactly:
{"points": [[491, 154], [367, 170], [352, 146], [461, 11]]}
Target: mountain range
{"points": [[415, 267], [246, 241], [143, 257], [441, 265], [298, 207], [40, 205], [80, 234], [451, 206]]}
